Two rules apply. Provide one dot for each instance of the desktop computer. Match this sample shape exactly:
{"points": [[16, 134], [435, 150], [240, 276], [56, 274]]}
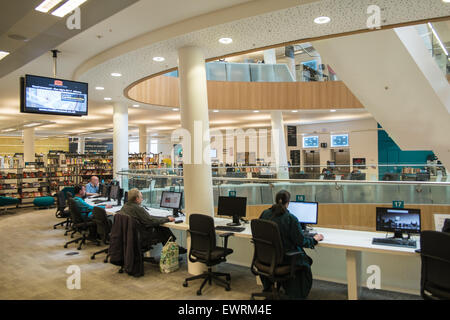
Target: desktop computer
{"points": [[171, 200], [398, 221], [233, 207], [306, 213]]}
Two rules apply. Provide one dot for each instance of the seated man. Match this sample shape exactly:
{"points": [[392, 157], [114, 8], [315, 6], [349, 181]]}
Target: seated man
{"points": [[85, 208], [151, 224], [92, 187]]}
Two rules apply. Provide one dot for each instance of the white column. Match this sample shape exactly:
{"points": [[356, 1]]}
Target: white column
{"points": [[142, 138], [28, 145], [270, 56], [120, 139], [279, 145], [81, 144], [194, 118]]}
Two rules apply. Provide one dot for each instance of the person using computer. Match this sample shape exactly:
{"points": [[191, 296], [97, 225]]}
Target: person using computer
{"points": [[293, 240], [85, 208], [152, 225], [92, 187]]}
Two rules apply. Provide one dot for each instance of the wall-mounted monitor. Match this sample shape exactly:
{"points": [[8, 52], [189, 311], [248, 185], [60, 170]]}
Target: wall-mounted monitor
{"points": [[311, 142], [339, 140], [53, 96]]}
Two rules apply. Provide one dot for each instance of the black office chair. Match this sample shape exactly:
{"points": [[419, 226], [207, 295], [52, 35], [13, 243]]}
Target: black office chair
{"points": [[435, 254], [104, 226], [269, 256], [203, 249], [79, 225], [61, 211]]}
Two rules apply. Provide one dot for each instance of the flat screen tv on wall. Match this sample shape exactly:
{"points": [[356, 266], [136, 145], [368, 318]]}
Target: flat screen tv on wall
{"points": [[53, 96]]}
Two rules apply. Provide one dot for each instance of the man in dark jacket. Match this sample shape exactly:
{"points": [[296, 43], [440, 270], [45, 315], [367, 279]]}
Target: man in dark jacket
{"points": [[151, 228]]}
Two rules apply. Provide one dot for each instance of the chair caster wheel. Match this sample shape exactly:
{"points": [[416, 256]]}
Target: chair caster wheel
{"points": [[79, 248], [199, 293], [228, 278], [185, 284], [92, 257], [105, 261], [120, 271], [65, 246], [227, 289]]}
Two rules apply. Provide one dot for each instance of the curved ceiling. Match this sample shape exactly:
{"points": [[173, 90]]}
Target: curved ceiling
{"points": [[256, 31]]}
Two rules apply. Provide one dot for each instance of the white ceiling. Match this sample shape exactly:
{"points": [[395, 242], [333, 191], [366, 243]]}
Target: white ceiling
{"points": [[97, 51]]}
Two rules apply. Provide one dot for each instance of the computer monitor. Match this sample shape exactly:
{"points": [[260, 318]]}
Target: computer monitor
{"points": [[398, 221], [233, 207], [106, 191], [114, 193], [306, 212], [125, 197], [100, 188], [171, 200]]}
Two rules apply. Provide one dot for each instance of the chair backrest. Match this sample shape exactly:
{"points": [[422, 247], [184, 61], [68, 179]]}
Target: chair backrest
{"points": [[102, 222], [60, 201], [75, 213], [267, 241], [202, 232], [435, 254]]}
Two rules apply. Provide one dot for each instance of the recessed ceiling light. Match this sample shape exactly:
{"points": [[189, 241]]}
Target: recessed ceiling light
{"points": [[116, 74], [294, 111], [8, 130], [47, 5], [3, 54], [215, 111], [135, 105], [68, 7], [158, 59], [332, 110], [175, 109], [322, 20], [31, 124], [99, 88], [256, 111], [225, 40], [108, 99]]}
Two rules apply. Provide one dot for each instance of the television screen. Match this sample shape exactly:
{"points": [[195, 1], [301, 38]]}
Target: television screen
{"points": [[54, 96], [339, 140], [311, 142]]}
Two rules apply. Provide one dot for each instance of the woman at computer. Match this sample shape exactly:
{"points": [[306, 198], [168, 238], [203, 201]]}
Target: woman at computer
{"points": [[293, 240]]}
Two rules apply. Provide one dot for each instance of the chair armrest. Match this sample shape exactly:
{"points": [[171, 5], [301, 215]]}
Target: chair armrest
{"points": [[204, 234], [292, 253], [293, 256], [226, 236]]}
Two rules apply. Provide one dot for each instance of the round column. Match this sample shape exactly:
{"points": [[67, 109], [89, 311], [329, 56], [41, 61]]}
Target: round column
{"points": [[198, 193], [120, 139], [81, 145], [279, 145], [28, 145], [142, 138]]}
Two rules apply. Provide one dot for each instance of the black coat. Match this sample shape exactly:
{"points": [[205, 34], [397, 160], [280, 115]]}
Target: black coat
{"points": [[124, 248]]}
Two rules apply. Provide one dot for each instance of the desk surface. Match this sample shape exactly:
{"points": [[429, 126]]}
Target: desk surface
{"points": [[333, 238]]}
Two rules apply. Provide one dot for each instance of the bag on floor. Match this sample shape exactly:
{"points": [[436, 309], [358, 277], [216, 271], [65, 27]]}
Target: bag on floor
{"points": [[169, 257]]}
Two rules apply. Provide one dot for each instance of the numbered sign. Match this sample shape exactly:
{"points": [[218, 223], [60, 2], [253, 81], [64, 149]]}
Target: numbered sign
{"points": [[300, 198], [398, 204], [232, 194]]}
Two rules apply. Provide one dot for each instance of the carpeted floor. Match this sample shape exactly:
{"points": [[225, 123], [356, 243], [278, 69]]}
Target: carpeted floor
{"points": [[33, 264]]}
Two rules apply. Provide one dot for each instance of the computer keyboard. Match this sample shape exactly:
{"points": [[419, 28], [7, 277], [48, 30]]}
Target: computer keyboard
{"points": [[309, 234], [230, 228], [407, 243]]}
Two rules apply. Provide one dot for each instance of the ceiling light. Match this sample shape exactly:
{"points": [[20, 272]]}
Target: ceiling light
{"points": [[9, 130], [47, 5], [108, 99], [99, 88], [158, 59], [322, 20], [67, 7], [332, 110], [438, 39], [3, 54], [215, 111], [225, 40], [175, 109], [135, 105], [116, 74], [32, 124], [294, 111], [256, 111]]}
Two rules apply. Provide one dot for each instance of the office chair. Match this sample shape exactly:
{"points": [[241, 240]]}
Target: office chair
{"points": [[435, 255], [103, 229], [79, 225], [61, 211], [203, 249], [269, 257]]}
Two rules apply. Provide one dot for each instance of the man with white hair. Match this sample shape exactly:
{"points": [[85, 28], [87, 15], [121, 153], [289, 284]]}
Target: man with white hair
{"points": [[92, 187], [152, 224]]}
